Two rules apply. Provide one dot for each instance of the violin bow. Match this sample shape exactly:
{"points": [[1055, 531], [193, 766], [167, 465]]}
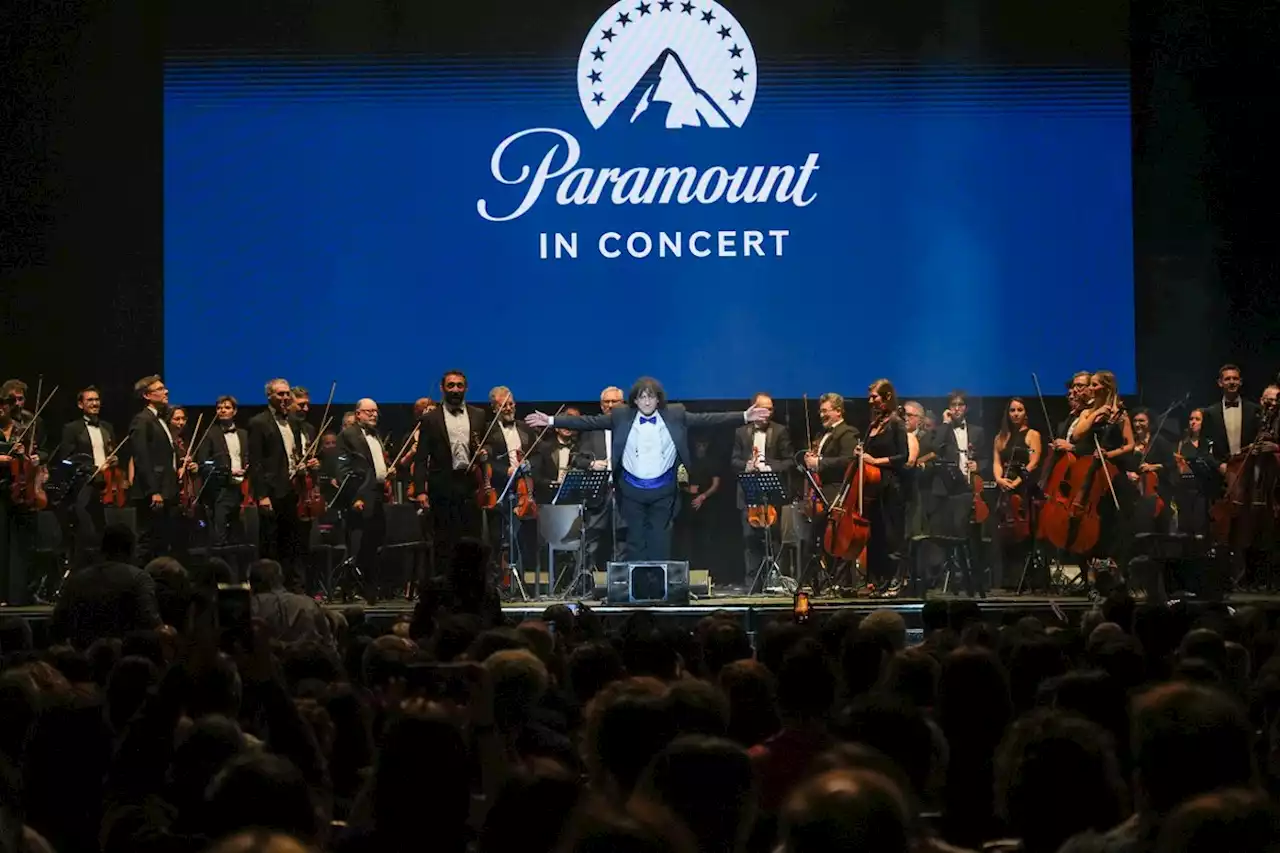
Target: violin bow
{"points": [[191, 448], [1044, 410], [539, 436], [324, 419], [105, 465], [1151, 438], [488, 432], [405, 446], [30, 427]]}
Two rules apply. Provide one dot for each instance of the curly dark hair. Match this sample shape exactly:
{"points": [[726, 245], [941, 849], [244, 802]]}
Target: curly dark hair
{"points": [[653, 386]]}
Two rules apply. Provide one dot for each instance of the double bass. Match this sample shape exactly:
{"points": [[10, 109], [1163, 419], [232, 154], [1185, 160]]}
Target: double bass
{"points": [[1249, 493], [848, 529], [1054, 524]]}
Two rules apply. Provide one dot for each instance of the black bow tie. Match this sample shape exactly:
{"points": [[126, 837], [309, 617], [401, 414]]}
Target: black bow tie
{"points": [[368, 430], [227, 430], [1230, 405], [958, 424], [91, 420], [454, 411]]}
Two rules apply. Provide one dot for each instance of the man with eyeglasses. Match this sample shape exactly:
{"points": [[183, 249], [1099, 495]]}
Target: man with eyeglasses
{"points": [[366, 461], [93, 440], [155, 470], [444, 471], [594, 452], [277, 449], [649, 441]]}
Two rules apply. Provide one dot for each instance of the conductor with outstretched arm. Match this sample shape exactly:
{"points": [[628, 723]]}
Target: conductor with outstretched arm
{"points": [[650, 439]]}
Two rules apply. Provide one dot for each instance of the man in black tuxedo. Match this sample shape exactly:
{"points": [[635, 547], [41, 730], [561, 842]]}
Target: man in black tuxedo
{"points": [[87, 441], [595, 451], [827, 460], [556, 455], [155, 470], [444, 476], [650, 439], [509, 444], [761, 447], [1230, 424], [276, 450], [224, 458], [963, 450], [366, 461]]}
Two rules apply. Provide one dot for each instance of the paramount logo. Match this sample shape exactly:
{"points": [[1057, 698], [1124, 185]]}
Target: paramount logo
{"points": [[640, 184]]}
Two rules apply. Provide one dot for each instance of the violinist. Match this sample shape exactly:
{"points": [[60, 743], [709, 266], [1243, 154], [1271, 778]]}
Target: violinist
{"points": [[1151, 464], [224, 456], [300, 411], [92, 440], [888, 449], [28, 422], [961, 448], [920, 502], [1015, 460], [556, 457], [1077, 399], [277, 451], [17, 522], [154, 448], [1105, 425], [366, 459], [1197, 477], [444, 471], [761, 447], [509, 443]]}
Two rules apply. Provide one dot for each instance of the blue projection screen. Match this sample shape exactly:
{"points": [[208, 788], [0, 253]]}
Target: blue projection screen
{"points": [[670, 199]]}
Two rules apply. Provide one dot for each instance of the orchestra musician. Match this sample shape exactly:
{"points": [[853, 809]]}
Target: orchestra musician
{"points": [[761, 447], [1151, 454], [153, 448], [1015, 463], [961, 446], [1104, 424], [887, 448], [18, 524], [600, 519], [1231, 423], [276, 451], [91, 439], [508, 447], [16, 391], [828, 459], [444, 470], [922, 555], [1197, 477], [556, 457], [649, 440], [1260, 545], [366, 459], [224, 457], [300, 411]]}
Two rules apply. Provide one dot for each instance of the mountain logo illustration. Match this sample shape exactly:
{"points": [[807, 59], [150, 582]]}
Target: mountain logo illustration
{"points": [[672, 64]]}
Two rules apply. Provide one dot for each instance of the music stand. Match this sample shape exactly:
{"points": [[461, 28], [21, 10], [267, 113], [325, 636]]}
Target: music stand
{"points": [[347, 573], [579, 487], [764, 488]]}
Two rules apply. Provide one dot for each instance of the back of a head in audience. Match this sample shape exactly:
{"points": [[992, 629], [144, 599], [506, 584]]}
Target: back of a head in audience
{"points": [[708, 783], [592, 667], [263, 791], [266, 576], [259, 841], [118, 542], [530, 810], [846, 811], [886, 624], [1044, 754], [422, 783], [641, 826], [753, 714], [806, 685], [1188, 739], [895, 728], [520, 681], [1229, 821], [628, 723]]}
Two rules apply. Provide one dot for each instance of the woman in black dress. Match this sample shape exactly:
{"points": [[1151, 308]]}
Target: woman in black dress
{"points": [[1015, 461], [1197, 477], [1104, 425], [886, 448]]}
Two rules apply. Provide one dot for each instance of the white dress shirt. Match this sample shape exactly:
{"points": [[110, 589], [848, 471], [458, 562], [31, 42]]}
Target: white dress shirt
{"points": [[99, 446], [822, 442], [758, 437], [290, 446], [562, 462], [1231, 419], [608, 450], [379, 459], [165, 426], [234, 453], [459, 428], [650, 452], [962, 441], [511, 435]]}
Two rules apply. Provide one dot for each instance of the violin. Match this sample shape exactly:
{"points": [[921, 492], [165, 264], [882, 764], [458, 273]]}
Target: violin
{"points": [[486, 494], [981, 512], [27, 475], [115, 484], [812, 504], [1149, 481], [311, 502], [765, 515], [526, 505], [1014, 522]]}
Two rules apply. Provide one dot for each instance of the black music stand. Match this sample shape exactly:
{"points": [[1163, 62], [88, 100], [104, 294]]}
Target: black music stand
{"points": [[347, 575], [579, 487], [764, 488]]}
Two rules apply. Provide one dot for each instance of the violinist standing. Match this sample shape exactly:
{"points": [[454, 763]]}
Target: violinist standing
{"points": [[961, 448], [1104, 423], [17, 523], [92, 440], [761, 447], [443, 471], [33, 425], [1015, 464], [508, 448], [921, 552], [224, 456], [650, 439], [888, 448], [366, 459], [1152, 455], [276, 451], [1197, 481], [155, 470]]}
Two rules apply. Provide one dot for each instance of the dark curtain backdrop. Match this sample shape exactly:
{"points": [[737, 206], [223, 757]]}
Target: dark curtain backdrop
{"points": [[81, 243]]}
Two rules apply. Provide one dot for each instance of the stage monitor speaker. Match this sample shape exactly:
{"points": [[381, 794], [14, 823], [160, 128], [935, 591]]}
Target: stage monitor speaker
{"points": [[648, 582]]}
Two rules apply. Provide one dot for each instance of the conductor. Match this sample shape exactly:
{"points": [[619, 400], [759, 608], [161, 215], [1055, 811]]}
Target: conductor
{"points": [[651, 438]]}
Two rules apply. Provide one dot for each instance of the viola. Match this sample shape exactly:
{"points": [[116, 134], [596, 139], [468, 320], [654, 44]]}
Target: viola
{"points": [[27, 475], [115, 485], [1014, 523], [311, 505], [981, 512], [526, 505]]}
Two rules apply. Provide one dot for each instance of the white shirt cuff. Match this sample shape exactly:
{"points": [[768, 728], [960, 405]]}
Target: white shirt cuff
{"points": [[551, 421]]}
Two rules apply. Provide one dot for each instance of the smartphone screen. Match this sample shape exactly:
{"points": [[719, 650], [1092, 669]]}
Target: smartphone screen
{"points": [[235, 618]]}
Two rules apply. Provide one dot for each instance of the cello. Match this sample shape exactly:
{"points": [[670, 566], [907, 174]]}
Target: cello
{"points": [[1054, 525], [848, 529], [1087, 489]]}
